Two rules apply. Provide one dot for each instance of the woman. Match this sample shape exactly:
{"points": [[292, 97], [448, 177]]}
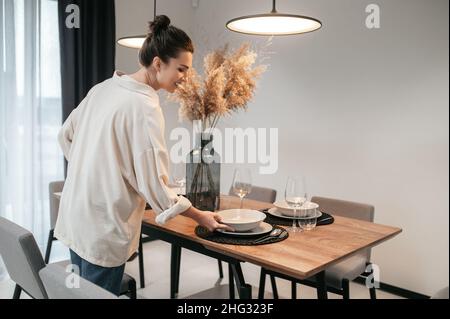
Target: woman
{"points": [[118, 161]]}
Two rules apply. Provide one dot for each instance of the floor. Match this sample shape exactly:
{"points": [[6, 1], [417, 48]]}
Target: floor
{"points": [[198, 278]]}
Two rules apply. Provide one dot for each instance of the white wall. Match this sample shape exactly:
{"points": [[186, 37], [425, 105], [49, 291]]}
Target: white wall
{"points": [[132, 17], [362, 113]]}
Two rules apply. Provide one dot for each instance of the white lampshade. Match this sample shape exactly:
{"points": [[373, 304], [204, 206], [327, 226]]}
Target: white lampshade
{"points": [[134, 42], [274, 23]]}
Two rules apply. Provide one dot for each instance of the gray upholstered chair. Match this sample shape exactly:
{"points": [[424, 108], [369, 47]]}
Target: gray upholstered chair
{"points": [[54, 278], [23, 261], [338, 276], [262, 194]]}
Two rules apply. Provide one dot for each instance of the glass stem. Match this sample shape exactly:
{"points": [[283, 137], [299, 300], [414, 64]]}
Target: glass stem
{"points": [[242, 202]]}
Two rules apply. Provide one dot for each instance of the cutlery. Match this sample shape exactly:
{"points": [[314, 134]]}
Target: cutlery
{"points": [[281, 236], [325, 219], [274, 233]]}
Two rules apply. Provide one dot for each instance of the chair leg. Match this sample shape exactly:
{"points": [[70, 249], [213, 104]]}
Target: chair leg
{"points": [[220, 268], [141, 264], [49, 246], [373, 293], [345, 289], [231, 281], [262, 284], [274, 286], [293, 290], [372, 290], [321, 285], [244, 289], [132, 290], [17, 292]]}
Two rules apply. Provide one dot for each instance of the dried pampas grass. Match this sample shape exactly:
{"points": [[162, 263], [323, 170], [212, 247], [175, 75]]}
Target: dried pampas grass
{"points": [[228, 85]]}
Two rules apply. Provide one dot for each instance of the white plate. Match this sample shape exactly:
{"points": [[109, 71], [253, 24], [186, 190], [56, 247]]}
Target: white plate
{"points": [[286, 210], [282, 205], [242, 219], [274, 212], [262, 229]]}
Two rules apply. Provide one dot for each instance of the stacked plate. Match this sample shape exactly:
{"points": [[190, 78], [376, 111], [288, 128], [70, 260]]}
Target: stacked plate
{"points": [[283, 210], [245, 222]]}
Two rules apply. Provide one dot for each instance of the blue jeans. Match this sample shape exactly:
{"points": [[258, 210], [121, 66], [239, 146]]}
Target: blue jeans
{"points": [[107, 278]]}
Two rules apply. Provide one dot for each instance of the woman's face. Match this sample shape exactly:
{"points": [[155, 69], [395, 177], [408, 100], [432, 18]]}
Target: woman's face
{"points": [[174, 72]]}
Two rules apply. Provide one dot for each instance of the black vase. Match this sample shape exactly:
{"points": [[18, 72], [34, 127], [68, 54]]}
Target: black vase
{"points": [[203, 174]]}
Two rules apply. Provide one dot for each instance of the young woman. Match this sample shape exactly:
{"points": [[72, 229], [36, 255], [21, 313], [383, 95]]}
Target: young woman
{"points": [[118, 161]]}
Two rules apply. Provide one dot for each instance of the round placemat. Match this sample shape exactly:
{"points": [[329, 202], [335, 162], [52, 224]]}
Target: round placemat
{"points": [[218, 237], [325, 219]]}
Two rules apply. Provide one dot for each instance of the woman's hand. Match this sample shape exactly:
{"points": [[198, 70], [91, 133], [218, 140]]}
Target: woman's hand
{"points": [[212, 221], [207, 219]]}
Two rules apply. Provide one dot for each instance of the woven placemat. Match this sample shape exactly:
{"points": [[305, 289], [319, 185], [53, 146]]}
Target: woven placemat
{"points": [[325, 219], [218, 237]]}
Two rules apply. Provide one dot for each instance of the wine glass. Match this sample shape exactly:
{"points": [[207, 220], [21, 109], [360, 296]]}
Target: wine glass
{"points": [[295, 196], [242, 183], [179, 176]]}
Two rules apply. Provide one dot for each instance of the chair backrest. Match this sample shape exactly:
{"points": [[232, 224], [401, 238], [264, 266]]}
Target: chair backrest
{"points": [[54, 187], [346, 209], [22, 258], [262, 194], [59, 286]]}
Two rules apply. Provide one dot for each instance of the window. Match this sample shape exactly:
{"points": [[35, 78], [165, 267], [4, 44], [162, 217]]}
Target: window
{"points": [[30, 112]]}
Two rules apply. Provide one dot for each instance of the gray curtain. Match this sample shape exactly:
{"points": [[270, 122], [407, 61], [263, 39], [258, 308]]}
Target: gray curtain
{"points": [[88, 52]]}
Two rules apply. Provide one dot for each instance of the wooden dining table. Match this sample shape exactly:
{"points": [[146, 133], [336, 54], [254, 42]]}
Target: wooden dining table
{"points": [[300, 256]]}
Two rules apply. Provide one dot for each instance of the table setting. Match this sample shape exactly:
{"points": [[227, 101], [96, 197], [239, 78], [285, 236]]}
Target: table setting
{"points": [[267, 226]]}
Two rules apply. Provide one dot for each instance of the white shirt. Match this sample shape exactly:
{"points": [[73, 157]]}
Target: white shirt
{"points": [[118, 161]]}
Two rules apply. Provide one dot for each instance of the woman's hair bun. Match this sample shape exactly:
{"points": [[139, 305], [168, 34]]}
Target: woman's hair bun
{"points": [[161, 23], [164, 41]]}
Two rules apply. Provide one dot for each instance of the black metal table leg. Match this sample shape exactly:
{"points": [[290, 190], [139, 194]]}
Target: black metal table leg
{"points": [[178, 269], [245, 290], [231, 281], [262, 283], [293, 290], [174, 270], [49, 246], [321, 286], [273, 282], [141, 264], [220, 268]]}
